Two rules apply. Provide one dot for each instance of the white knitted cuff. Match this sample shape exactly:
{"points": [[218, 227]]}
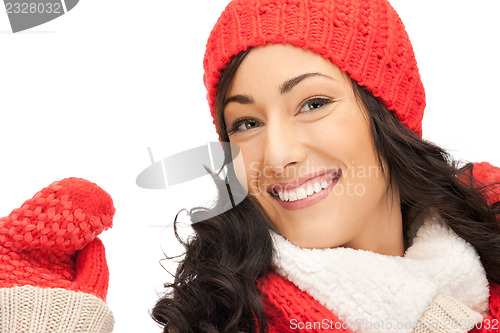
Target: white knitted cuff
{"points": [[29, 309], [446, 314]]}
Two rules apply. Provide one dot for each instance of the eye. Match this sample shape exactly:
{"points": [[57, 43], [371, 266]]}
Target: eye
{"points": [[244, 124], [314, 104]]}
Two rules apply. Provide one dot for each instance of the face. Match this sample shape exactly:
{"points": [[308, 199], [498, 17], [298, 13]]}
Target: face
{"points": [[308, 153]]}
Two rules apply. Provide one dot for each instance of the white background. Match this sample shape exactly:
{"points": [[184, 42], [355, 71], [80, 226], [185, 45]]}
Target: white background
{"points": [[86, 94]]}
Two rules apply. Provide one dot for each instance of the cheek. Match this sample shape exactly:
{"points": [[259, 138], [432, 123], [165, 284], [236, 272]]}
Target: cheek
{"points": [[364, 169], [347, 139], [240, 169], [247, 168], [344, 135]]}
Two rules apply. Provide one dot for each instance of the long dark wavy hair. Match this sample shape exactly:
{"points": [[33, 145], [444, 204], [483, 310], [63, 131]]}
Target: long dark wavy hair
{"points": [[214, 288]]}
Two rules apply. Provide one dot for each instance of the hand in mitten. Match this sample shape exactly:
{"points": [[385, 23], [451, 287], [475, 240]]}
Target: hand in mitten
{"points": [[53, 270]]}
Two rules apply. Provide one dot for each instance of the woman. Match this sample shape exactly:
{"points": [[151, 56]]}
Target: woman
{"points": [[353, 222]]}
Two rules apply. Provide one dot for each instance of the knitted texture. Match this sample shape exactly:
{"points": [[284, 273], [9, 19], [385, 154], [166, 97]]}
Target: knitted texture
{"points": [[365, 38], [50, 241], [286, 305], [290, 309], [30, 309], [447, 315]]}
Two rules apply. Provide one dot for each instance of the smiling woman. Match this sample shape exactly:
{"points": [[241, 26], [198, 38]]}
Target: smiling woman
{"points": [[353, 222]]}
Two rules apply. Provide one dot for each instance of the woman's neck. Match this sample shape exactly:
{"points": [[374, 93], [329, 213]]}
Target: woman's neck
{"points": [[384, 232]]}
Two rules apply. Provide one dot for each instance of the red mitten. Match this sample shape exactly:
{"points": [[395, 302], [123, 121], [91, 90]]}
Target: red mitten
{"points": [[53, 270]]}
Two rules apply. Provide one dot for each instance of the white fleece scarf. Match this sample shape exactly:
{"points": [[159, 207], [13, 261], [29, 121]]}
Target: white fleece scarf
{"points": [[368, 290]]}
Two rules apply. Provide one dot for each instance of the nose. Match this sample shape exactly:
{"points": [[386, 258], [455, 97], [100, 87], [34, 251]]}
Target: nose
{"points": [[283, 147]]}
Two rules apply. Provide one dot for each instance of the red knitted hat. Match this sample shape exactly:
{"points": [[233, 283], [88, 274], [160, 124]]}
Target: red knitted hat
{"points": [[364, 38]]}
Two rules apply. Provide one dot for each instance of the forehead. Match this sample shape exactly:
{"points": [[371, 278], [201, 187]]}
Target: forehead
{"points": [[275, 63]]}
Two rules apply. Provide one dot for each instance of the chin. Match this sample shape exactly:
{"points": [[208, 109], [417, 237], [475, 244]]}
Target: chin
{"points": [[314, 237]]}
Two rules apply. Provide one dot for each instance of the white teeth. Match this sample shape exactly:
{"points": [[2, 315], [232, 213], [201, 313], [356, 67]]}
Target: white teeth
{"points": [[310, 190], [301, 194]]}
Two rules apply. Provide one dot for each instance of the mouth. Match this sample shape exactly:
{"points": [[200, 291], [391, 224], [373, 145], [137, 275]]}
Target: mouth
{"points": [[305, 187]]}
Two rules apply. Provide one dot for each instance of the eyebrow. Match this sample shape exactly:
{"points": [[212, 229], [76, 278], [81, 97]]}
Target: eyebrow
{"points": [[242, 99], [284, 88], [289, 84]]}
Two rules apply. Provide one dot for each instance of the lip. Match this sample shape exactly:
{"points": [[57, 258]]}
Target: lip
{"points": [[309, 200], [301, 180]]}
